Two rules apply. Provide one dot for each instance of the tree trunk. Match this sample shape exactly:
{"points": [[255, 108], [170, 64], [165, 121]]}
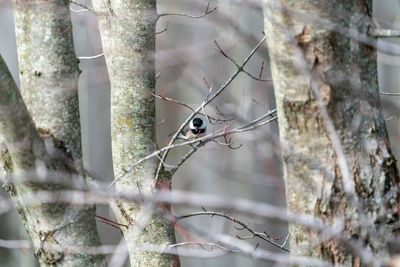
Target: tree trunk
{"points": [[43, 141], [128, 35], [337, 160]]}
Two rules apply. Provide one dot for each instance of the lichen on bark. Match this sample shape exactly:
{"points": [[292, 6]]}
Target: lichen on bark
{"points": [[42, 133], [128, 36]]}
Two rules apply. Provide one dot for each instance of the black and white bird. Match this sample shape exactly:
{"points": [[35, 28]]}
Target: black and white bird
{"points": [[197, 128]]}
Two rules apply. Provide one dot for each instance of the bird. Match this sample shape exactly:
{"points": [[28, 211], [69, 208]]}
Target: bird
{"points": [[197, 128]]}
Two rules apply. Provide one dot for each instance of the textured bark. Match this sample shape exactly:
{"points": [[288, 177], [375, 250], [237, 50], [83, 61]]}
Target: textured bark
{"points": [[49, 69], [48, 130], [344, 73], [128, 35], [56, 225]]}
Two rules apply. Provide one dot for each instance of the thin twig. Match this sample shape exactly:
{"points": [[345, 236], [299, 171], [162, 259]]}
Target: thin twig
{"points": [[161, 122], [188, 15], [165, 98], [384, 33], [255, 78], [163, 30], [165, 164], [110, 224], [197, 146], [202, 245], [208, 100], [78, 11], [250, 126], [390, 94], [92, 57], [261, 70], [286, 239], [111, 221], [235, 221], [390, 117], [173, 101], [15, 243], [240, 67], [185, 157], [83, 6]]}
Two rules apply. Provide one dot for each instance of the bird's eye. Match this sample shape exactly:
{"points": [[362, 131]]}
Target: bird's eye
{"points": [[197, 122]]}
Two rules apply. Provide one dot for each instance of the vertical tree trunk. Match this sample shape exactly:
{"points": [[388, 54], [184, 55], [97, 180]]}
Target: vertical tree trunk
{"points": [[43, 138], [128, 35], [341, 72]]}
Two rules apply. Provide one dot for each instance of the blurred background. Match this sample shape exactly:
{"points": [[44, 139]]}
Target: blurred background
{"points": [[186, 54]]}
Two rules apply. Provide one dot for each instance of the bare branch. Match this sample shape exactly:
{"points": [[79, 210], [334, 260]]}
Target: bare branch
{"points": [[215, 202], [15, 244], [197, 146], [207, 11], [384, 33], [250, 126], [110, 224], [235, 221], [390, 94], [208, 100], [255, 78], [241, 67], [91, 194], [391, 117], [286, 239], [261, 70], [161, 122], [225, 246], [202, 244], [186, 157], [92, 57], [173, 101], [163, 30], [81, 5], [165, 98], [78, 11], [110, 221]]}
